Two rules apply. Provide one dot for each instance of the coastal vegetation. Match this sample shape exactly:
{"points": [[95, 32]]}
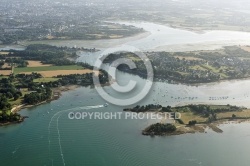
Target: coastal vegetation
{"points": [[194, 118], [159, 129], [85, 31], [203, 113], [28, 86], [46, 54], [45, 59], [27, 89], [191, 67], [48, 68]]}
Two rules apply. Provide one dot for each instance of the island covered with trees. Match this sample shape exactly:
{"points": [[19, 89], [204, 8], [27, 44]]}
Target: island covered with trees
{"points": [[46, 68], [191, 67], [194, 118]]}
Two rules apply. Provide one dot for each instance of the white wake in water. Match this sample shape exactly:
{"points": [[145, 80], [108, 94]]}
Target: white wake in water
{"points": [[16, 149], [59, 141], [58, 131]]}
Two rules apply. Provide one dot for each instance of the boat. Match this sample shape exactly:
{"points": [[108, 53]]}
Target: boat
{"points": [[105, 105]]}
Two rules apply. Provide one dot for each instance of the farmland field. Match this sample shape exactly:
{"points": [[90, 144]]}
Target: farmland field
{"points": [[46, 68], [61, 72], [37, 64]]}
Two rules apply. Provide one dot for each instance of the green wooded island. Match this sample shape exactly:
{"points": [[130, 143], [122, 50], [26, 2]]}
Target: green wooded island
{"points": [[194, 118]]}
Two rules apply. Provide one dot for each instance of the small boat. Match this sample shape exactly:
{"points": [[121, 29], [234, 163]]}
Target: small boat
{"points": [[106, 104]]}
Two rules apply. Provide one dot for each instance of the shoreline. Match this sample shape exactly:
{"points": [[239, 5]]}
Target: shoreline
{"points": [[72, 42], [198, 30], [191, 84], [57, 92], [98, 44], [199, 118], [181, 129], [122, 40], [15, 122], [199, 128]]}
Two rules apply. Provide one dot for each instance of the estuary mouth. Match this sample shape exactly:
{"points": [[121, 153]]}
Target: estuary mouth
{"points": [[112, 82]]}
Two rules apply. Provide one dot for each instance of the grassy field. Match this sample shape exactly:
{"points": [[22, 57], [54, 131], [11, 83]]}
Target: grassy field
{"points": [[246, 48], [211, 68], [243, 114], [6, 65], [46, 68], [132, 57], [54, 73], [188, 115], [188, 57], [19, 101], [215, 70], [4, 53], [5, 72], [16, 102], [3, 77], [198, 67], [37, 64], [45, 79]]}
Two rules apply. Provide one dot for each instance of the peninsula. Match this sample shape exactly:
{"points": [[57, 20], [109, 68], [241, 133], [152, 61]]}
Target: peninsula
{"points": [[232, 62], [37, 75], [194, 118]]}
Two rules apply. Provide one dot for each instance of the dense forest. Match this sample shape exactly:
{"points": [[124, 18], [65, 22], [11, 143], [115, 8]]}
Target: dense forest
{"points": [[159, 129], [148, 108]]}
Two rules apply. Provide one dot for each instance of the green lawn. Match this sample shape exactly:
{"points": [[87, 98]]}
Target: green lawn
{"points": [[220, 107], [197, 67], [188, 116], [211, 68], [3, 77], [182, 73], [7, 112], [19, 101], [46, 68], [133, 57], [216, 70], [16, 102], [45, 79]]}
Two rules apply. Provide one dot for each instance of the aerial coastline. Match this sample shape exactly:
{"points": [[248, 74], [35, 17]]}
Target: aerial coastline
{"points": [[191, 118], [39, 74], [57, 91]]}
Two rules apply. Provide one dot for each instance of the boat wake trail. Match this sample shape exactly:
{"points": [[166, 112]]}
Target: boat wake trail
{"points": [[16, 149], [59, 140], [58, 131]]}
